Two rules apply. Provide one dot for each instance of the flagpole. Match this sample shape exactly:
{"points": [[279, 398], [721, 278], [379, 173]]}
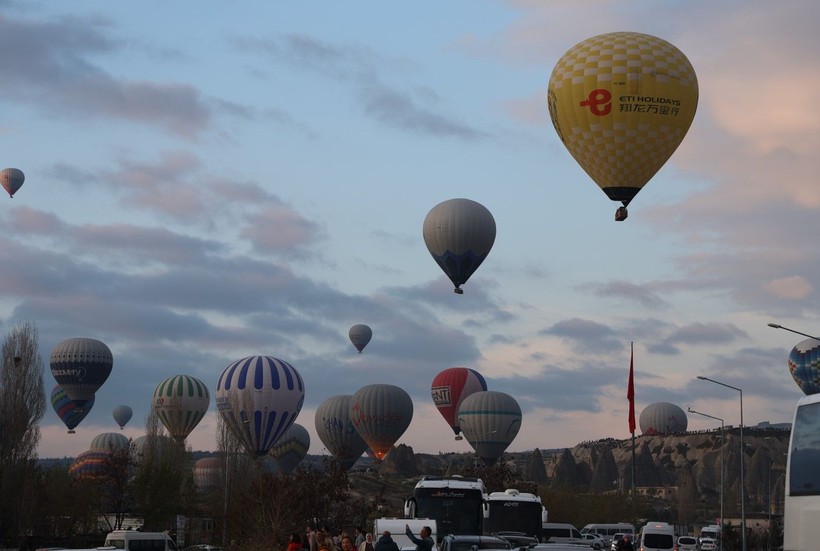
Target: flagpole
{"points": [[631, 395]]}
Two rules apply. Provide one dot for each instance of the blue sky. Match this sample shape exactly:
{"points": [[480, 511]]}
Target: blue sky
{"points": [[211, 180]]}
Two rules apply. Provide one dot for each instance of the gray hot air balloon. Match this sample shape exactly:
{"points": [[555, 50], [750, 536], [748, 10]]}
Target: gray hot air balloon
{"points": [[662, 418], [459, 234], [490, 421], [122, 414], [81, 366], [12, 179], [381, 413], [291, 448], [336, 430], [360, 335]]}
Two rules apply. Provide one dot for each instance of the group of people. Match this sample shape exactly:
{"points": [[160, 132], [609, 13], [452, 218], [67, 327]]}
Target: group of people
{"points": [[321, 540]]}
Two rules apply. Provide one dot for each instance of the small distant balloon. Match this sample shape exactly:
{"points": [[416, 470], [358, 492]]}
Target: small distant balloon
{"points": [[12, 180], [360, 335], [66, 410], [459, 234], [122, 414]]}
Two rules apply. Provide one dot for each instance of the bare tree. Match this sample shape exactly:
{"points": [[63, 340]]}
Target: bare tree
{"points": [[22, 406]]}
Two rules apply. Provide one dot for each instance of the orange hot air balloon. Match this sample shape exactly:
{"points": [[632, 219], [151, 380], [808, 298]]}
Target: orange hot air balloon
{"points": [[622, 102]]}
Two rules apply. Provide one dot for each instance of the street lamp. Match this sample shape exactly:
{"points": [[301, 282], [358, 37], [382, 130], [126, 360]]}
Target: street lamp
{"points": [[742, 468], [778, 326], [722, 442]]}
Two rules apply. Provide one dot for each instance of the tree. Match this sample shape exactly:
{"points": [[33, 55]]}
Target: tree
{"points": [[22, 406]]}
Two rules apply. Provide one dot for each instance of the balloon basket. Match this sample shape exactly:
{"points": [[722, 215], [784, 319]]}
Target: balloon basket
{"points": [[459, 437], [621, 214], [458, 291]]}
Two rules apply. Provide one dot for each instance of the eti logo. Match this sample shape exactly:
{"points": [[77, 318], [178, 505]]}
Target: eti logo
{"points": [[598, 102]]}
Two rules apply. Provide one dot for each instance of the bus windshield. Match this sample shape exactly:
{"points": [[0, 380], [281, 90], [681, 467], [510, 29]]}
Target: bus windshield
{"points": [[456, 511], [804, 455], [514, 516]]}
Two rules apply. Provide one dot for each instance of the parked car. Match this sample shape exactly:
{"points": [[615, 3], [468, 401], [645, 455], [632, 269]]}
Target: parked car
{"points": [[472, 543], [596, 541], [517, 539], [708, 544], [688, 543]]}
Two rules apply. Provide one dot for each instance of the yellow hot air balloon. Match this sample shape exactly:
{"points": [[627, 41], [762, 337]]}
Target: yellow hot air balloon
{"points": [[621, 103]]}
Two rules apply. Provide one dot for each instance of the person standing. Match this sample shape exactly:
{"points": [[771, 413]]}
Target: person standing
{"points": [[386, 543], [367, 544], [359, 534], [425, 542], [625, 544]]}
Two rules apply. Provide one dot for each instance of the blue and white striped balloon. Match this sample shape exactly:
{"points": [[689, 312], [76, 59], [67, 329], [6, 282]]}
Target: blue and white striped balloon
{"points": [[259, 398]]}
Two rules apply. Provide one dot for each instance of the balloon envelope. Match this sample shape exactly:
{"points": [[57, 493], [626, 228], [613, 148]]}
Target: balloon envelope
{"points": [[804, 365], [12, 180], [291, 448], [81, 366], [122, 414], [90, 465], [336, 431], [381, 413], [180, 402], [662, 418], [209, 473], [490, 421], [622, 102], [259, 398], [66, 410], [459, 234], [450, 387], [153, 448], [360, 335], [110, 442]]}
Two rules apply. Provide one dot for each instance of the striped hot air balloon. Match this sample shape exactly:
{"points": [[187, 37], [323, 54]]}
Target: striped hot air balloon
{"points": [[209, 473], [66, 410], [90, 465], [180, 402], [490, 421], [110, 442], [259, 397], [804, 365], [81, 366]]}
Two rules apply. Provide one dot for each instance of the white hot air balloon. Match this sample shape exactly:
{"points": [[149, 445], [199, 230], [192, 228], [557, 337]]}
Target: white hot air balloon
{"points": [[490, 421]]}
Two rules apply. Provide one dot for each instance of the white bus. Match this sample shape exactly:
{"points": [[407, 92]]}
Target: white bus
{"points": [[514, 511], [458, 504], [801, 520]]}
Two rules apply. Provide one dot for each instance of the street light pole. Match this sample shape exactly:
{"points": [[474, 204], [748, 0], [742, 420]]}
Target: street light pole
{"points": [[742, 468], [778, 326], [722, 468]]}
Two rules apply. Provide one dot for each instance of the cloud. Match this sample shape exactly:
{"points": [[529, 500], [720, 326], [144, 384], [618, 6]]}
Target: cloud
{"points": [[50, 66], [586, 335]]}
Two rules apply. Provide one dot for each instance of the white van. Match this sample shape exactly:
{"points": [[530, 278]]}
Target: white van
{"points": [[560, 532], [657, 536], [609, 530], [134, 540], [398, 526]]}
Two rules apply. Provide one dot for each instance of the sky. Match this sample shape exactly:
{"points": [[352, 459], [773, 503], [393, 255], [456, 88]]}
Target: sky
{"points": [[212, 180]]}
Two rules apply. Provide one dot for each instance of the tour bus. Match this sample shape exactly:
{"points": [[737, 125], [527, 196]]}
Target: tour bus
{"points": [[458, 504], [514, 511], [801, 513]]}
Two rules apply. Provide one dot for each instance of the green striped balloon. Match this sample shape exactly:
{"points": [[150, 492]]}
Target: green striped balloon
{"points": [[180, 402]]}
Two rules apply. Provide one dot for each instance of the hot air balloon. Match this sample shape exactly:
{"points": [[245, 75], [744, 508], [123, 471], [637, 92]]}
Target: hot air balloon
{"points": [[110, 442], [336, 431], [81, 366], [381, 413], [180, 402], [622, 102], [259, 398], [291, 448], [662, 418], [209, 473], [449, 389], [459, 234], [66, 410], [490, 421], [122, 414], [12, 179], [804, 365], [90, 465], [360, 335]]}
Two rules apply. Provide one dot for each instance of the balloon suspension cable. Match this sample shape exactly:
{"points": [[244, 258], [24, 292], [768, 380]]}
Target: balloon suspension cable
{"points": [[458, 291], [621, 214]]}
